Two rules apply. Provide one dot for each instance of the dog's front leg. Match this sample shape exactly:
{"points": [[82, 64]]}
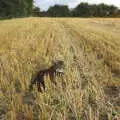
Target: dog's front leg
{"points": [[43, 84], [39, 87], [52, 79]]}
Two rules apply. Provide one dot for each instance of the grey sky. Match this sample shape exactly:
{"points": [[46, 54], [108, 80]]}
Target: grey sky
{"points": [[44, 4]]}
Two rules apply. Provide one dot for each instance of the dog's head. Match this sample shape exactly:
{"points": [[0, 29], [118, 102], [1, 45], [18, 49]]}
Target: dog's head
{"points": [[59, 66]]}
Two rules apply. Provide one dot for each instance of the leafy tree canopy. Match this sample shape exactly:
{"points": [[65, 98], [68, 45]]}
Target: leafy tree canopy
{"points": [[58, 11]]}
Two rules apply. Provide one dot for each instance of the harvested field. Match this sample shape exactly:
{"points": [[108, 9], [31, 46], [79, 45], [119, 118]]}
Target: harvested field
{"points": [[90, 87]]}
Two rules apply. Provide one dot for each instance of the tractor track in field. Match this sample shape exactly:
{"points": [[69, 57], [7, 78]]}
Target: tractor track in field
{"points": [[111, 91]]}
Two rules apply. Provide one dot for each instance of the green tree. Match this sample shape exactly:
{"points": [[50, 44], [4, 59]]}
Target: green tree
{"points": [[58, 11], [82, 10], [36, 11], [93, 10], [103, 10], [29, 6], [113, 11], [15, 8]]}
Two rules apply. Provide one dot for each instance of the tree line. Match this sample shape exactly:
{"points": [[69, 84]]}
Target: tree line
{"points": [[82, 10], [23, 8]]}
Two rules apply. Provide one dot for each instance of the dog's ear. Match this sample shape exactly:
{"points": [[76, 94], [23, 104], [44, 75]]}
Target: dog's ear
{"points": [[54, 62], [59, 64]]}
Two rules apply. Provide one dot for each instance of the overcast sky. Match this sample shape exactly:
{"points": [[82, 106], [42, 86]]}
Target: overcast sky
{"points": [[44, 4]]}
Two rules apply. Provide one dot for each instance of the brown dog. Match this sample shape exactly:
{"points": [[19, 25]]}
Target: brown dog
{"points": [[55, 69]]}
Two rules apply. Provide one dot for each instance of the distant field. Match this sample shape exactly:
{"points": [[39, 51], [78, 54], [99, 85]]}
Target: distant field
{"points": [[90, 88]]}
